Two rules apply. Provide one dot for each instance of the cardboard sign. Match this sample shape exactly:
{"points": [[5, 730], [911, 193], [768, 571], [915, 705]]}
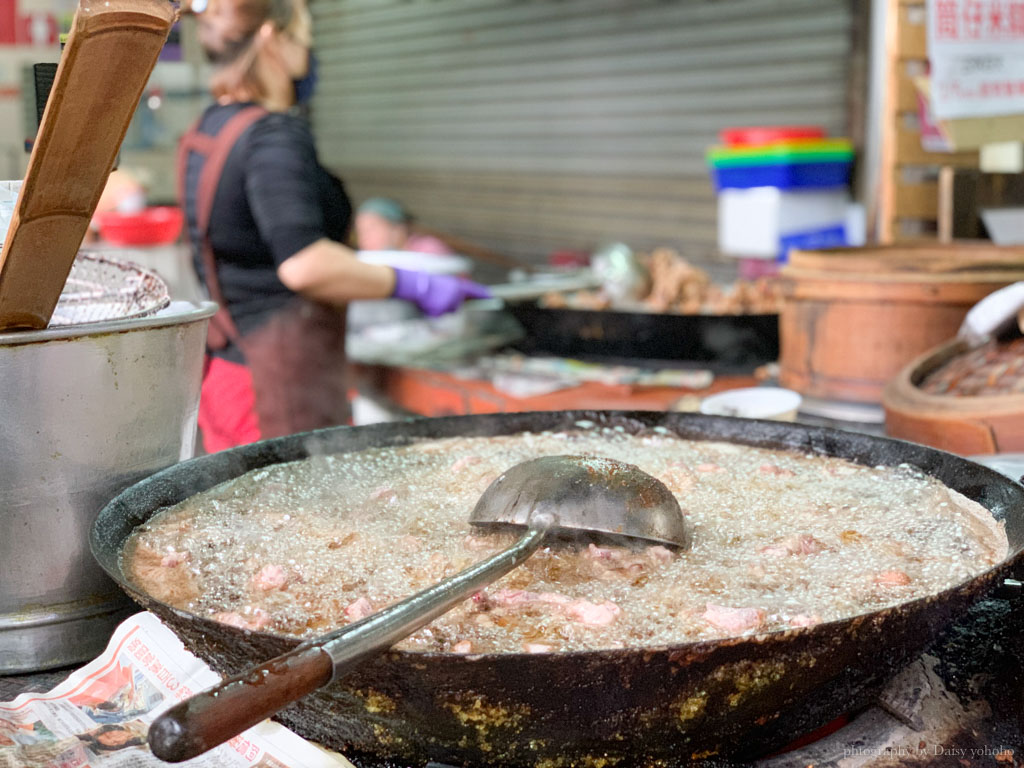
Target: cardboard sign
{"points": [[976, 49]]}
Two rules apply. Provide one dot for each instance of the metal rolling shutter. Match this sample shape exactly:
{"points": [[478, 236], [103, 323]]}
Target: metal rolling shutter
{"points": [[529, 126]]}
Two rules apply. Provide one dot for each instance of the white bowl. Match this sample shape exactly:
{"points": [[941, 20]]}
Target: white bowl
{"points": [[1010, 464], [424, 262], [772, 403]]}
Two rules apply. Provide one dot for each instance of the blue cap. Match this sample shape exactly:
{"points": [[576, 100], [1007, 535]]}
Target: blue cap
{"points": [[386, 208]]}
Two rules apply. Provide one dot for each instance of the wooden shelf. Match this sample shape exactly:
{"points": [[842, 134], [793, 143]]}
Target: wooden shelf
{"points": [[912, 36], [902, 203]]}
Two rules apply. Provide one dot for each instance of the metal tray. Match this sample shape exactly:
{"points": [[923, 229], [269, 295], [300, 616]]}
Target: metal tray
{"points": [[722, 341]]}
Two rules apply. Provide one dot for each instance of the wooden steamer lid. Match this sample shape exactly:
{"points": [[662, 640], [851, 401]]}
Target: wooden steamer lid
{"points": [[941, 271]]}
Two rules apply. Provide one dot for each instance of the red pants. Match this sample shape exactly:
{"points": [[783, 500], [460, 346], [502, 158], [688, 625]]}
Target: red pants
{"points": [[227, 406]]}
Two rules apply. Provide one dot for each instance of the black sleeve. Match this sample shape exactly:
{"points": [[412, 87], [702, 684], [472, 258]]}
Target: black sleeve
{"points": [[280, 184]]}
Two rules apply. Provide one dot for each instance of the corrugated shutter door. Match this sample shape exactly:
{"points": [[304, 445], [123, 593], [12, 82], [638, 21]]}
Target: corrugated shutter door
{"points": [[532, 126]]}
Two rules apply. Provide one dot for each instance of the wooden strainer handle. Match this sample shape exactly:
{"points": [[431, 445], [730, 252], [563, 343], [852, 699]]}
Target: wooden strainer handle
{"points": [[109, 56]]}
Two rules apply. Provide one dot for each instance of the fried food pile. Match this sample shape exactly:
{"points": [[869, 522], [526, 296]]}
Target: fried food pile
{"points": [[993, 369], [679, 287], [783, 539]]}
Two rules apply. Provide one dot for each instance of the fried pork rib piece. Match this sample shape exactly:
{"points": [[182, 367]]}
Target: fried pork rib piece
{"points": [[166, 574], [733, 620], [509, 603]]}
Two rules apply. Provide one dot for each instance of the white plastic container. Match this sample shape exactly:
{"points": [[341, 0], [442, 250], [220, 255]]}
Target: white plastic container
{"points": [[757, 222], [772, 403], [8, 197]]}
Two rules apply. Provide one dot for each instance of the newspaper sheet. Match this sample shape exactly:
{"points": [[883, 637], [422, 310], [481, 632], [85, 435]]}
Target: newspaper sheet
{"points": [[100, 715]]}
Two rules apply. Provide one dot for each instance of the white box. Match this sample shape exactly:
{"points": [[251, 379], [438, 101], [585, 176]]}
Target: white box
{"points": [[755, 222]]}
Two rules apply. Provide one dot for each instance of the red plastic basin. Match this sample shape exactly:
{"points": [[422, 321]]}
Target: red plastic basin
{"points": [[153, 226]]}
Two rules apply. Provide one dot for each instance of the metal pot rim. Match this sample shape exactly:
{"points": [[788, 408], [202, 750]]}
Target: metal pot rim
{"points": [[176, 313]]}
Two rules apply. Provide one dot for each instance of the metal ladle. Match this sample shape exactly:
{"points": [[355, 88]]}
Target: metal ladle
{"points": [[567, 495]]}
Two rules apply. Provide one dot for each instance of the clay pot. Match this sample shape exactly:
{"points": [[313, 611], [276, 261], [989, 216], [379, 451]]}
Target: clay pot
{"points": [[964, 425], [853, 317]]}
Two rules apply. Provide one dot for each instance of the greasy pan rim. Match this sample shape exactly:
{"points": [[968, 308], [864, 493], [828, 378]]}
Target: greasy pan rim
{"points": [[1004, 494]]}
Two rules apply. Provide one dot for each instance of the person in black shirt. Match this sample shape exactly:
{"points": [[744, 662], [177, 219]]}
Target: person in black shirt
{"points": [[266, 222]]}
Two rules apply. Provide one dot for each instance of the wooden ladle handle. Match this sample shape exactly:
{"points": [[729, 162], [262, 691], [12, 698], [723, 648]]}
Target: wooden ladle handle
{"points": [[213, 716], [110, 53]]}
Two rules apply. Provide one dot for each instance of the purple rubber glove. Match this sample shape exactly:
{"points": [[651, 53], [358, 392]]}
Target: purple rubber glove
{"points": [[436, 294]]}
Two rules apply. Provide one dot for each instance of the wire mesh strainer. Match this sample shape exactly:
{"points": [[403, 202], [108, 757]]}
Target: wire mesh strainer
{"points": [[100, 288]]}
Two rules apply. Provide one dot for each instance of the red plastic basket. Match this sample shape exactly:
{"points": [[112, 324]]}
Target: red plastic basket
{"points": [[153, 226], [773, 134]]}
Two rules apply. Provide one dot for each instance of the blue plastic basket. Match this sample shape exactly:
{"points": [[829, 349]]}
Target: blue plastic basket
{"points": [[826, 237], [783, 176]]}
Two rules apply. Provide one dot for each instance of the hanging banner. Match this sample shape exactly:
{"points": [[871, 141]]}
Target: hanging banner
{"points": [[976, 50]]}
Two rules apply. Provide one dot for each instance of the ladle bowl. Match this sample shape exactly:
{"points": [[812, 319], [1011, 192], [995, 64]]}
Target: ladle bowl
{"points": [[587, 495]]}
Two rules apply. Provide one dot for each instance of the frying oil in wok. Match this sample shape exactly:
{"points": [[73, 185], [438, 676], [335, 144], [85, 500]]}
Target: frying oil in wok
{"points": [[781, 540]]}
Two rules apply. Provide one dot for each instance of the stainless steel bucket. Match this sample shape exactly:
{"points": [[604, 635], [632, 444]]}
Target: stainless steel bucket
{"points": [[84, 412]]}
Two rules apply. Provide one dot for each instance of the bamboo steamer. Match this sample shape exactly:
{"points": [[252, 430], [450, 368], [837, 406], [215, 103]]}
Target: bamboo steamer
{"points": [[853, 317], [964, 425]]}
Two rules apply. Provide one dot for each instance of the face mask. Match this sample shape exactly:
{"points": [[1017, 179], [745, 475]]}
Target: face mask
{"points": [[305, 86]]}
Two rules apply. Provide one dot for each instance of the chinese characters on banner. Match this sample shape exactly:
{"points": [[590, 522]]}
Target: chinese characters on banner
{"points": [[976, 49]]}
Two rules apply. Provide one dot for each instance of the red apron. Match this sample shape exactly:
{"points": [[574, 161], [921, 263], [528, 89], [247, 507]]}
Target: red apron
{"points": [[295, 377]]}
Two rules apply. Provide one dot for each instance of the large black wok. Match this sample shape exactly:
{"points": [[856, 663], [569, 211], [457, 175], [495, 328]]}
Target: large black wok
{"points": [[737, 697]]}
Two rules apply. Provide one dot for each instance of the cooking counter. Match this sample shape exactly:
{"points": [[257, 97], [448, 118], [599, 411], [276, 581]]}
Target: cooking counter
{"points": [[434, 392]]}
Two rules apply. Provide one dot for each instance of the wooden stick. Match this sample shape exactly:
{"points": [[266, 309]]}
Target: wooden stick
{"points": [[946, 212], [106, 64]]}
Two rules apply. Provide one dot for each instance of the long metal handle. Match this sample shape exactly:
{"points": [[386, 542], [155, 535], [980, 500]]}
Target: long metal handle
{"points": [[217, 714], [352, 644]]}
